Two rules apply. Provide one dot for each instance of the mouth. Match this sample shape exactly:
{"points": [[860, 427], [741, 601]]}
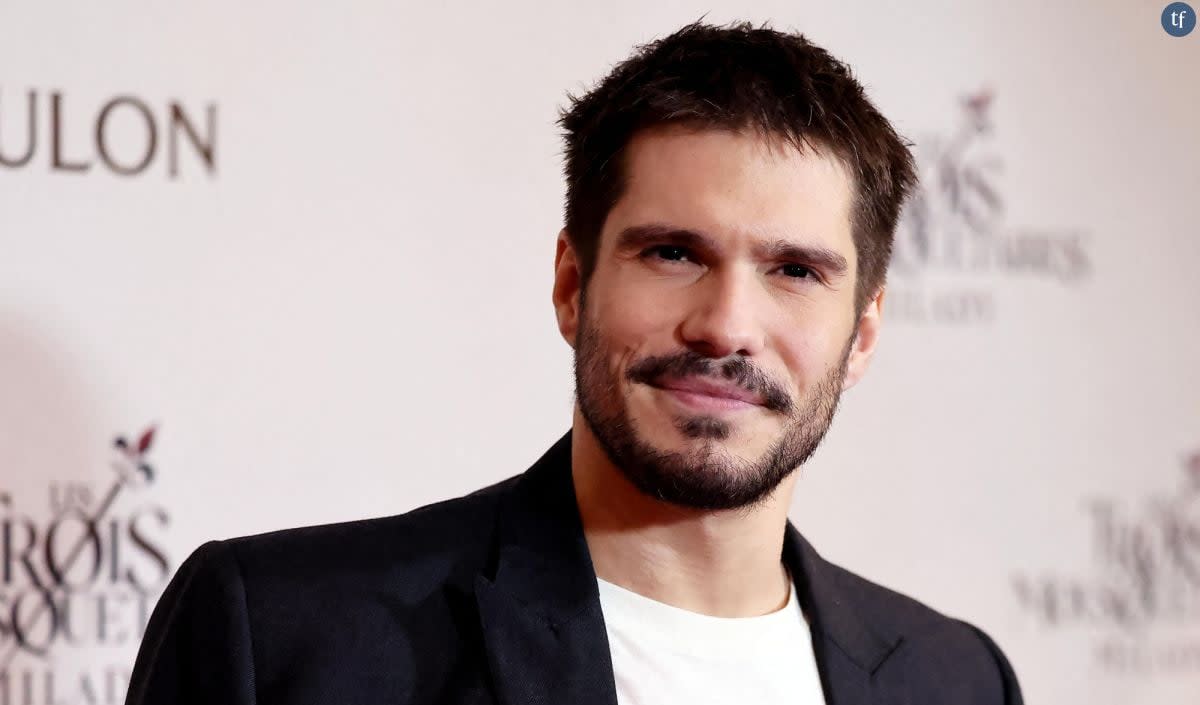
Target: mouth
{"points": [[708, 395]]}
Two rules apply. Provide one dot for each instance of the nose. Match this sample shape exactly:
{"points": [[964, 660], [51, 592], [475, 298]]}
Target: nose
{"points": [[724, 316]]}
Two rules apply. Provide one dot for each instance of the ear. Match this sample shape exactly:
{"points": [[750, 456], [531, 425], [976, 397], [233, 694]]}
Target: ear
{"points": [[566, 288], [865, 340]]}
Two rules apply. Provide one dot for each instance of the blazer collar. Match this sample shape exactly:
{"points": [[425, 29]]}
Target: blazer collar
{"points": [[833, 607], [540, 606], [539, 603]]}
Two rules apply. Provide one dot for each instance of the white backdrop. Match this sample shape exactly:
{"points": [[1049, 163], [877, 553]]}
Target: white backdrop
{"points": [[348, 313]]}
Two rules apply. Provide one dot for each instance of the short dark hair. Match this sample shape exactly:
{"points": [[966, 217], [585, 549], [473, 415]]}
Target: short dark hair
{"points": [[738, 77]]}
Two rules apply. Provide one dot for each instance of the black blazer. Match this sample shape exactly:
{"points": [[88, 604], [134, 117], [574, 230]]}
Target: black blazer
{"points": [[492, 598]]}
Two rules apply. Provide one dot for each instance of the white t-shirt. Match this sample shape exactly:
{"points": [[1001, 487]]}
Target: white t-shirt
{"points": [[664, 655]]}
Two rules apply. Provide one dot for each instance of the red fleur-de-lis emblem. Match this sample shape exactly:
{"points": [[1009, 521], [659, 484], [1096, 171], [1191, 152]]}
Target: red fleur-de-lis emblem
{"points": [[1191, 467], [978, 102], [135, 453], [145, 441], [977, 106]]}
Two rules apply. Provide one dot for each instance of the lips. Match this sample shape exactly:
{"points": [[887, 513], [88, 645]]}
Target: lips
{"points": [[714, 389]]}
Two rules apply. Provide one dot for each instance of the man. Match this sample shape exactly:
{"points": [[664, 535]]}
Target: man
{"points": [[731, 201]]}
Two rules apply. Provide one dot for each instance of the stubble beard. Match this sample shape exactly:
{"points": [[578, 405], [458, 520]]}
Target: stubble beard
{"points": [[706, 476]]}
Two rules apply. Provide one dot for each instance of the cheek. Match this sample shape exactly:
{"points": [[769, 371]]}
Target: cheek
{"points": [[632, 320], [811, 351]]}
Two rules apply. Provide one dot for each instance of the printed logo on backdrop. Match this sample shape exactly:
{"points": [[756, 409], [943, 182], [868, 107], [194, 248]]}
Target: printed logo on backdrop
{"points": [[77, 588], [1141, 600], [124, 135], [957, 246]]}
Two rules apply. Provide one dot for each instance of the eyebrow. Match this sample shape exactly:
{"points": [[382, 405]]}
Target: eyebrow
{"points": [[640, 236]]}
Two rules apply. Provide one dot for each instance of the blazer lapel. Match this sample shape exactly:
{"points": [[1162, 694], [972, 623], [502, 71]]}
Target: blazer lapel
{"points": [[543, 629], [849, 650]]}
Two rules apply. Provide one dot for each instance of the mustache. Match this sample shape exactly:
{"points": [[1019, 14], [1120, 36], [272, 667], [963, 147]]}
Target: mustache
{"points": [[738, 370]]}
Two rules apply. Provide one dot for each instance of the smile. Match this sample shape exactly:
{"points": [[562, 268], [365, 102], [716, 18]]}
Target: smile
{"points": [[708, 395]]}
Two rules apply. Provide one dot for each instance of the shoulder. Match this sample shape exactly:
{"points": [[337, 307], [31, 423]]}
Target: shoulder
{"points": [[414, 551], [945, 653], [892, 611], [263, 612]]}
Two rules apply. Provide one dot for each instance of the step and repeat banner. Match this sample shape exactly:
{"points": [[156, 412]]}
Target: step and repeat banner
{"points": [[277, 264]]}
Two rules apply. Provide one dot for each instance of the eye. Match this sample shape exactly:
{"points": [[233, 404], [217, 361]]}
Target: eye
{"points": [[671, 253], [798, 271]]}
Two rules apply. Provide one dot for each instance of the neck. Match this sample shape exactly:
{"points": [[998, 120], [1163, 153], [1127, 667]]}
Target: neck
{"points": [[722, 563]]}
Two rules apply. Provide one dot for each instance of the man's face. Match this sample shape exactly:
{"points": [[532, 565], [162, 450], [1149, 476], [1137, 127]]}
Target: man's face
{"points": [[718, 329]]}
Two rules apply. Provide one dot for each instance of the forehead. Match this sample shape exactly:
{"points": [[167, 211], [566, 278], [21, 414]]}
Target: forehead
{"points": [[734, 186]]}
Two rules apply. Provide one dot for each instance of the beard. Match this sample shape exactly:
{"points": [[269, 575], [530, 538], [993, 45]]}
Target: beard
{"points": [[706, 476]]}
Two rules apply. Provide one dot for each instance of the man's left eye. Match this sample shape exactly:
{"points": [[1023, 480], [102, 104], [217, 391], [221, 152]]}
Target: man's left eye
{"points": [[798, 271]]}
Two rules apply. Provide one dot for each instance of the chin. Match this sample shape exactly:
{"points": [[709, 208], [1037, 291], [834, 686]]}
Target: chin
{"points": [[693, 433]]}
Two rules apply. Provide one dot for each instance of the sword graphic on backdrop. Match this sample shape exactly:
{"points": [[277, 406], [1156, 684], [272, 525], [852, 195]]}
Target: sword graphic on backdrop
{"points": [[133, 471]]}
